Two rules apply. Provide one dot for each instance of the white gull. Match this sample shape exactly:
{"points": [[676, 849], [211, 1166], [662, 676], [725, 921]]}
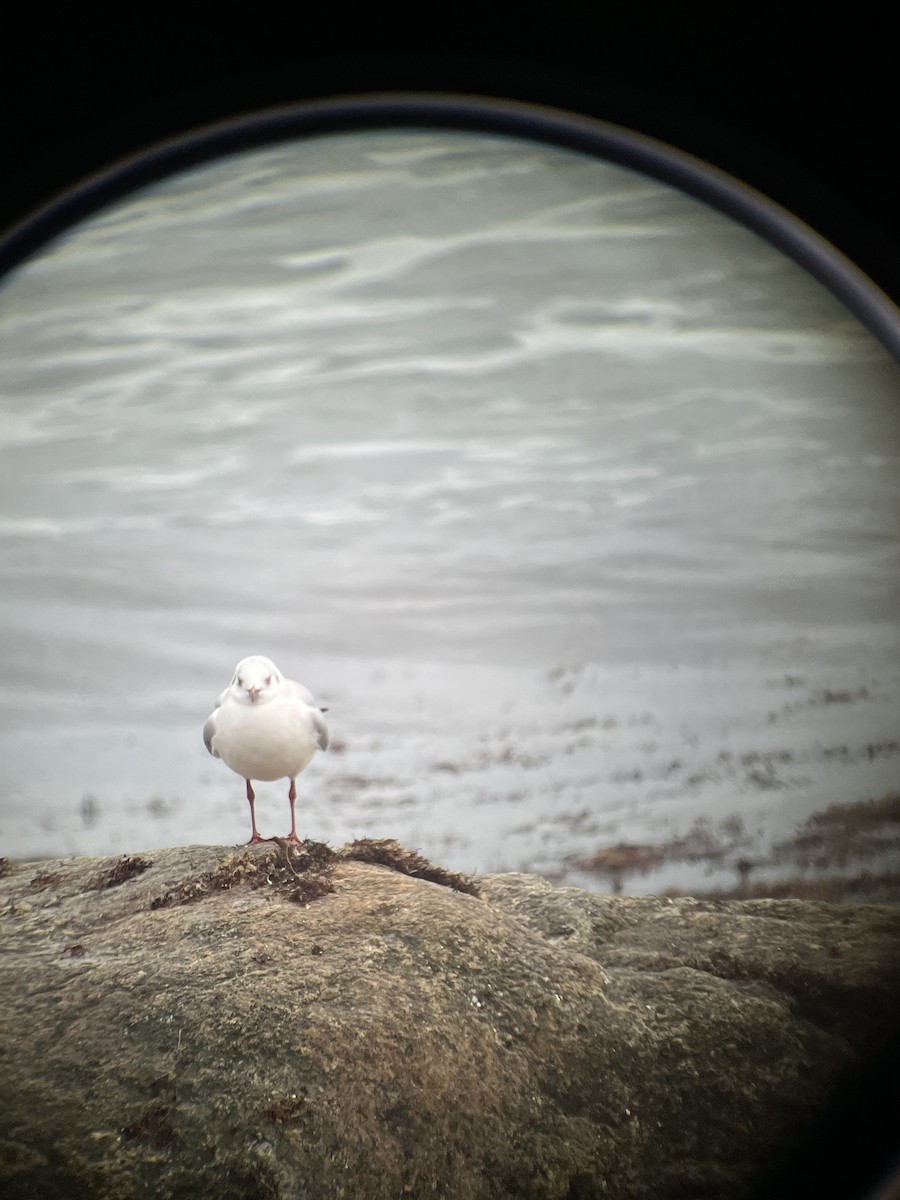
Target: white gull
{"points": [[265, 727]]}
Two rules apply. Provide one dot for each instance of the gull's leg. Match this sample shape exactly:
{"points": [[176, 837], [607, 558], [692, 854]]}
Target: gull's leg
{"points": [[292, 838], [254, 837]]}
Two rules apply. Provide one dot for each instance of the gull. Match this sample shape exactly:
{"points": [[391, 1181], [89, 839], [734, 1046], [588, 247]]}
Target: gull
{"points": [[265, 727]]}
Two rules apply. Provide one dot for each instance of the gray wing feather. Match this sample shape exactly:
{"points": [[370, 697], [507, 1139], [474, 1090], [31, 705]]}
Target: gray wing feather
{"points": [[209, 732], [318, 720], [321, 729]]}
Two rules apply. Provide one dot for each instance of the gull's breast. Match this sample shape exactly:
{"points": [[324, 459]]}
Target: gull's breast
{"points": [[266, 741]]}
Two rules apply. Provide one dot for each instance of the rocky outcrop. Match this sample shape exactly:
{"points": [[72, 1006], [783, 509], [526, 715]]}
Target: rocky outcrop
{"points": [[211, 1022]]}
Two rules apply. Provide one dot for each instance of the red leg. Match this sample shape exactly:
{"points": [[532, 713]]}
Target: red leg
{"points": [[292, 838], [254, 837]]}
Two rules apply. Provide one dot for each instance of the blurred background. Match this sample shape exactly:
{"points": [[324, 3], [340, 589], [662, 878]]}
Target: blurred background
{"points": [[574, 501]]}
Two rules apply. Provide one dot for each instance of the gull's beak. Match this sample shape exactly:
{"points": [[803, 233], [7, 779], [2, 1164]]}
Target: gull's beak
{"points": [[253, 692]]}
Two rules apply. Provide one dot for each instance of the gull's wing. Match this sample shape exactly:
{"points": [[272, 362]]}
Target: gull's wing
{"points": [[209, 729], [303, 693], [321, 729], [209, 732]]}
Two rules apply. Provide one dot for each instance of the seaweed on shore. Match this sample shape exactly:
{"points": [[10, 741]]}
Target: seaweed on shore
{"points": [[120, 872], [302, 872], [387, 852], [817, 859]]}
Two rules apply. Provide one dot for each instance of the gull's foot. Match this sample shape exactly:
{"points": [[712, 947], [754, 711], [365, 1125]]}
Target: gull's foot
{"points": [[256, 839], [293, 840]]}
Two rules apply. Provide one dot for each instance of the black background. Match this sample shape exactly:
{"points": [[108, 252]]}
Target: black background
{"points": [[805, 109]]}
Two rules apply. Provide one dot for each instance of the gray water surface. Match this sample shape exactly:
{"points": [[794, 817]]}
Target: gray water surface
{"points": [[572, 499]]}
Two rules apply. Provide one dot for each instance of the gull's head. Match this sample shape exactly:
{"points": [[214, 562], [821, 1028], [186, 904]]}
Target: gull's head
{"points": [[256, 679]]}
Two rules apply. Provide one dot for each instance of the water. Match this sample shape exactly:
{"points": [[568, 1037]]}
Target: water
{"points": [[572, 500]]}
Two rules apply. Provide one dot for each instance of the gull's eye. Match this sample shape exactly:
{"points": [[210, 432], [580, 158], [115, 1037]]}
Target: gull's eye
{"points": [[268, 680], [238, 681]]}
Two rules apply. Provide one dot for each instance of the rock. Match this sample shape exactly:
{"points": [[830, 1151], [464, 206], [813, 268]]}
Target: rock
{"points": [[245, 1025]]}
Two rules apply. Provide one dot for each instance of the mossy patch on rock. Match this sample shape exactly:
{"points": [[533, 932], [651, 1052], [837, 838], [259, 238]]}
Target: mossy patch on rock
{"points": [[301, 872], [386, 852], [285, 1108], [153, 1126], [45, 879], [121, 871]]}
